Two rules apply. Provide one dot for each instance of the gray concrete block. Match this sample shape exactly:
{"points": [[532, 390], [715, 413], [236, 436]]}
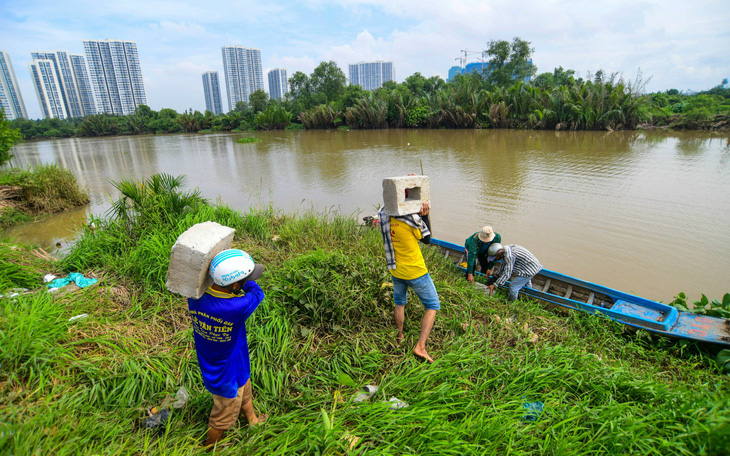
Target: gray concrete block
{"points": [[394, 194], [191, 256]]}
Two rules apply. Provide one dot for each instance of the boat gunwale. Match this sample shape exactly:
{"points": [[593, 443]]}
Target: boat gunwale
{"points": [[670, 314]]}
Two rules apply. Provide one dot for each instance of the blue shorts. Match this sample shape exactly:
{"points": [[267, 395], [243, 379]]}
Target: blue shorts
{"points": [[424, 288]]}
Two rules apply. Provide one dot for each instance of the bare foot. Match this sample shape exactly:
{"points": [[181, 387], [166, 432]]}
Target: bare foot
{"points": [[260, 419], [399, 338], [423, 355]]}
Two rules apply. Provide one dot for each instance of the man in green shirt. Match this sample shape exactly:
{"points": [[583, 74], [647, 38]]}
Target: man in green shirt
{"points": [[476, 246]]}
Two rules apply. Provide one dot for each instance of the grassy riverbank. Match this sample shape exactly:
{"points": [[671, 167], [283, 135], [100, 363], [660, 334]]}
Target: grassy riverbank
{"points": [[82, 387], [26, 194]]}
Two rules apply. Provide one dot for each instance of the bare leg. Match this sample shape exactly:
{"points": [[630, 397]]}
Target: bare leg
{"points": [[399, 315], [247, 406], [250, 414], [429, 317], [213, 437]]}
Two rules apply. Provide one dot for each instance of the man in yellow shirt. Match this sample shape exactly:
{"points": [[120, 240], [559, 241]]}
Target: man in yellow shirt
{"points": [[405, 262]]}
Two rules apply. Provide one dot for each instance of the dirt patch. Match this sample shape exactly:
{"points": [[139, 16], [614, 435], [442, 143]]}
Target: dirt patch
{"points": [[10, 197]]}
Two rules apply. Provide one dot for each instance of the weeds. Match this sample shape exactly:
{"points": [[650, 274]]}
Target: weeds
{"points": [[247, 140], [704, 306]]}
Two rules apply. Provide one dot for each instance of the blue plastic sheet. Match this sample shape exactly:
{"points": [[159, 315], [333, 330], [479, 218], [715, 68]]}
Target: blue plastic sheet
{"points": [[534, 409], [74, 277]]}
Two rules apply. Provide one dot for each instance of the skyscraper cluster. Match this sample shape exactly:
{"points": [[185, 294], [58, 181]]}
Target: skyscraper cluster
{"points": [[108, 79], [371, 75], [66, 87]]}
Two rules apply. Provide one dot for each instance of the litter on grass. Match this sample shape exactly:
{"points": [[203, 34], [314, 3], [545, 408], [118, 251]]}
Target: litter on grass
{"points": [[75, 277], [534, 409], [369, 392], [396, 403], [182, 397], [157, 417]]}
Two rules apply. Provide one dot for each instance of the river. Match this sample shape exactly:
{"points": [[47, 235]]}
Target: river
{"points": [[643, 212]]}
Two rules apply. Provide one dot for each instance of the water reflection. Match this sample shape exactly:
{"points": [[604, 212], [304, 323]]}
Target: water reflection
{"points": [[54, 234], [640, 211]]}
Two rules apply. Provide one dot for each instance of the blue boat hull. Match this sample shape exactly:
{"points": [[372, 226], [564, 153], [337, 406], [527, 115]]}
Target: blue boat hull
{"points": [[572, 293]]}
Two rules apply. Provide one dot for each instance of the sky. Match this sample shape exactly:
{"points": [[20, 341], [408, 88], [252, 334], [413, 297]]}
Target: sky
{"points": [[667, 44]]}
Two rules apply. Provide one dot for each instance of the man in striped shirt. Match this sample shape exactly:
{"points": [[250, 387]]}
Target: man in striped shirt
{"points": [[519, 266]]}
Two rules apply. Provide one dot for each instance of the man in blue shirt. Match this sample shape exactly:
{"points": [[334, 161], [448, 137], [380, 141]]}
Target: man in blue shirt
{"points": [[219, 324]]}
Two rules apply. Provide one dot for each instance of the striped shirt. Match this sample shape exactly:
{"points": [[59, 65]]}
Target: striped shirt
{"points": [[517, 261]]}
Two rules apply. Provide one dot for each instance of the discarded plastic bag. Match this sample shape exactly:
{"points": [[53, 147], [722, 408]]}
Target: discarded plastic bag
{"points": [[75, 277], [534, 409], [157, 417], [182, 398], [370, 391], [14, 292], [396, 403]]}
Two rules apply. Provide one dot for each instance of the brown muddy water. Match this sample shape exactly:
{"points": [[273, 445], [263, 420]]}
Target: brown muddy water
{"points": [[643, 212]]}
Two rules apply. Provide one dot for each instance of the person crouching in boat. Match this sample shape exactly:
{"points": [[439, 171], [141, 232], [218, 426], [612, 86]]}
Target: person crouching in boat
{"points": [[219, 330], [476, 246], [519, 266], [408, 269]]}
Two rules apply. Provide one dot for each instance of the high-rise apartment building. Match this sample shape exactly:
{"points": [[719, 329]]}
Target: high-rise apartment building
{"points": [[212, 90], [242, 68], [278, 83], [116, 75], [11, 100], [83, 85], [371, 75], [71, 78], [48, 88]]}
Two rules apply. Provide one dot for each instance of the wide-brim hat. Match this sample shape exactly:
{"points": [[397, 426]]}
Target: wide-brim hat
{"points": [[487, 234]]}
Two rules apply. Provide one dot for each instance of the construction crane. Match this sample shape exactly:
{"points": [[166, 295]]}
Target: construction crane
{"points": [[465, 59]]}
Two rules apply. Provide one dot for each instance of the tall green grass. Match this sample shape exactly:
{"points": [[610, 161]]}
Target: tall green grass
{"points": [[18, 269], [82, 387]]}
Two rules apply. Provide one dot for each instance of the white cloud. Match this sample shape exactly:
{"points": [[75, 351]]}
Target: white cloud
{"points": [[180, 28], [679, 44]]}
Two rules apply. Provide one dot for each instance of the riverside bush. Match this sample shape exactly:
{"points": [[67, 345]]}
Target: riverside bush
{"points": [[45, 189]]}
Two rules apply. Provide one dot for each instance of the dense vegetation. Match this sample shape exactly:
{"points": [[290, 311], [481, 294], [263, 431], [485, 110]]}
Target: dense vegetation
{"points": [[508, 94], [82, 387]]}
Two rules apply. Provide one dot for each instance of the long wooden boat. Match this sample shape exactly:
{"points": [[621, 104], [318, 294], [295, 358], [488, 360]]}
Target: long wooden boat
{"points": [[658, 318]]}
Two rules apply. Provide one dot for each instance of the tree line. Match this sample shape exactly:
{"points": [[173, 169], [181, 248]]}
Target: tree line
{"points": [[507, 94]]}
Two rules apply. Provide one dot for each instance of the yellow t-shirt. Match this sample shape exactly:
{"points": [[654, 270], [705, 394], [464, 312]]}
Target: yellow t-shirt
{"points": [[408, 258]]}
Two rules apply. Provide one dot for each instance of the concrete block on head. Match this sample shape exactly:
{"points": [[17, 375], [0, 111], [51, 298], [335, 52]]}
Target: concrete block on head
{"points": [[191, 256], [406, 194]]}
